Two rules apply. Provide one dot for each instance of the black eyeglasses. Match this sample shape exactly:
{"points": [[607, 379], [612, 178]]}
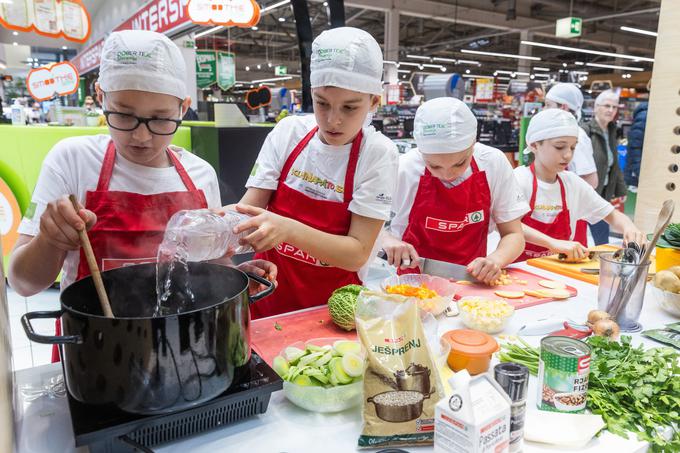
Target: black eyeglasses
{"points": [[125, 122]]}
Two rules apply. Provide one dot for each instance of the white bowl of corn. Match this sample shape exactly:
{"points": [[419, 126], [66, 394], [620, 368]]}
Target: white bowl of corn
{"points": [[486, 315]]}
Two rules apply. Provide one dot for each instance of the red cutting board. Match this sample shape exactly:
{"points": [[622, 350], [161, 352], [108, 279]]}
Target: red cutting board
{"points": [[482, 290], [268, 341]]}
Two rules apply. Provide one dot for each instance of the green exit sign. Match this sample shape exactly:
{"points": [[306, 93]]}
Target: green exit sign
{"points": [[280, 70], [569, 27]]}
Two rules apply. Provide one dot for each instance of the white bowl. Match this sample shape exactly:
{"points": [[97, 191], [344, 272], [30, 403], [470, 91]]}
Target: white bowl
{"points": [[566, 407], [487, 324], [323, 399], [669, 301], [443, 287]]}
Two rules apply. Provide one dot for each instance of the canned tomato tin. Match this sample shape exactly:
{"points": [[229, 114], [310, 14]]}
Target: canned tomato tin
{"points": [[563, 370]]}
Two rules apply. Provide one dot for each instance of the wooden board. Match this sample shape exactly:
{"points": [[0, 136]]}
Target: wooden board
{"points": [[268, 342], [659, 175], [573, 270], [481, 290]]}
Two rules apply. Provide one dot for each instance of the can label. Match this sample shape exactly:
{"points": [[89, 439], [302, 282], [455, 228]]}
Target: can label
{"points": [[563, 370]]}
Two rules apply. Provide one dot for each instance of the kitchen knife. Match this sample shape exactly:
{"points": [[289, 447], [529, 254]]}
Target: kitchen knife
{"points": [[446, 270]]}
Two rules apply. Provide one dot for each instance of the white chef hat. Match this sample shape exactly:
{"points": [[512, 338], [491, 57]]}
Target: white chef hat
{"points": [[444, 125], [144, 61], [607, 95], [551, 123], [349, 58], [569, 94]]}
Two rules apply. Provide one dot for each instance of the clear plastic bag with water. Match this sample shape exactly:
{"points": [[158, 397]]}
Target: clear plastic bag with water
{"points": [[205, 235]]}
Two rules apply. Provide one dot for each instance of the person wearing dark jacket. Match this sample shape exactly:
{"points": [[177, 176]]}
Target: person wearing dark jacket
{"points": [[602, 132], [636, 137]]}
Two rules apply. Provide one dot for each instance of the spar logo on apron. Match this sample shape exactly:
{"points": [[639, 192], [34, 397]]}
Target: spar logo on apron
{"points": [[448, 226], [295, 253]]}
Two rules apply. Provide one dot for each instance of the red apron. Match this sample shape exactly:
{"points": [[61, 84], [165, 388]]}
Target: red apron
{"points": [[560, 228], [450, 224], [130, 226], [581, 234], [304, 281]]}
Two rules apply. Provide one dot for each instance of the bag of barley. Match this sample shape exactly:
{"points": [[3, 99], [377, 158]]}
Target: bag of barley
{"points": [[401, 383]]}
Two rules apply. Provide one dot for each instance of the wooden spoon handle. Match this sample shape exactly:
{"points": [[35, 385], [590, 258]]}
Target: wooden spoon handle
{"points": [[92, 264]]}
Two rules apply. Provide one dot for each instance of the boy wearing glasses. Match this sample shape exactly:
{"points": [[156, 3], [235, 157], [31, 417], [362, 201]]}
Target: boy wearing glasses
{"points": [[129, 184]]}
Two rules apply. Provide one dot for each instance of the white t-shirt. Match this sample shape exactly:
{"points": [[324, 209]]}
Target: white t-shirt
{"points": [[507, 201], [583, 162], [319, 171], [73, 165], [582, 200]]}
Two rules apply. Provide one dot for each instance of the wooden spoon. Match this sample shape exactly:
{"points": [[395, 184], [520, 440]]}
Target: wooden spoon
{"points": [[92, 264]]}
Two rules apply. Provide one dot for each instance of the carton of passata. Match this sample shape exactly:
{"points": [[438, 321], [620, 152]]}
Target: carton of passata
{"points": [[474, 419]]}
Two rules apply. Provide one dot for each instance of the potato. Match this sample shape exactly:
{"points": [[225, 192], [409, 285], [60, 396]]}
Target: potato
{"points": [[675, 270], [667, 281]]}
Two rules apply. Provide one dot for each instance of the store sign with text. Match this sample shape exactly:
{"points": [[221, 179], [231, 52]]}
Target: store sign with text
{"points": [[66, 19], [158, 15], [226, 70], [60, 79], [484, 90], [206, 68], [229, 13]]}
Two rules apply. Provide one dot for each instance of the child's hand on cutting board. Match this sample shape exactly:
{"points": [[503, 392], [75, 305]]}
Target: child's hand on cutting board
{"points": [[575, 251], [485, 269]]}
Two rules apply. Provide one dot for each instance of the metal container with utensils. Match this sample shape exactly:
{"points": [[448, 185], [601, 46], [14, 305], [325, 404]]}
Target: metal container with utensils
{"points": [[621, 291]]}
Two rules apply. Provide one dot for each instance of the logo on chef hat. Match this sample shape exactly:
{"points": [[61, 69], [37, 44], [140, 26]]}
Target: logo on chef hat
{"points": [[240, 13], [60, 79]]}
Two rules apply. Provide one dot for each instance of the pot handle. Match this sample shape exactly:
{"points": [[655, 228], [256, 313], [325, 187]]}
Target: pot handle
{"points": [[46, 339], [267, 291]]}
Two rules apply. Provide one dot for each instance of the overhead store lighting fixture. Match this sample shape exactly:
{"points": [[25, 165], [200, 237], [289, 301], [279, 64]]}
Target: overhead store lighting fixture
{"points": [[419, 57], [444, 60], [579, 63], [520, 73], [639, 30], [581, 72], [436, 66], [208, 31], [613, 66], [503, 78], [542, 75], [468, 62], [477, 76], [592, 52], [404, 71], [502, 55], [502, 71], [282, 19], [536, 68], [390, 62], [275, 5], [273, 79], [408, 63]]}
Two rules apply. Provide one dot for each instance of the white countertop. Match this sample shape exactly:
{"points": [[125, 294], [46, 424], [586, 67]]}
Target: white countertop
{"points": [[44, 424]]}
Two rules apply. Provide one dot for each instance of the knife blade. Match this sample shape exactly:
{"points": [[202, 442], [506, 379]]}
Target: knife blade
{"points": [[446, 270]]}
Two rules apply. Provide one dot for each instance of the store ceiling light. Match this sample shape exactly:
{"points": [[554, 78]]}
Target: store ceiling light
{"points": [[469, 62], [502, 55], [436, 66], [503, 71], [15, 33], [579, 63], [520, 73], [408, 63], [536, 68], [547, 76], [208, 31], [592, 52], [247, 68], [444, 60], [390, 62], [477, 76], [503, 78], [404, 71], [273, 79], [564, 65], [581, 72], [613, 66], [275, 5], [467, 71], [639, 30], [282, 19], [254, 28], [418, 57], [15, 43]]}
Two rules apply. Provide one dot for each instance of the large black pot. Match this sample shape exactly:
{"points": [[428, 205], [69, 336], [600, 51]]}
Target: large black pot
{"points": [[152, 365]]}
